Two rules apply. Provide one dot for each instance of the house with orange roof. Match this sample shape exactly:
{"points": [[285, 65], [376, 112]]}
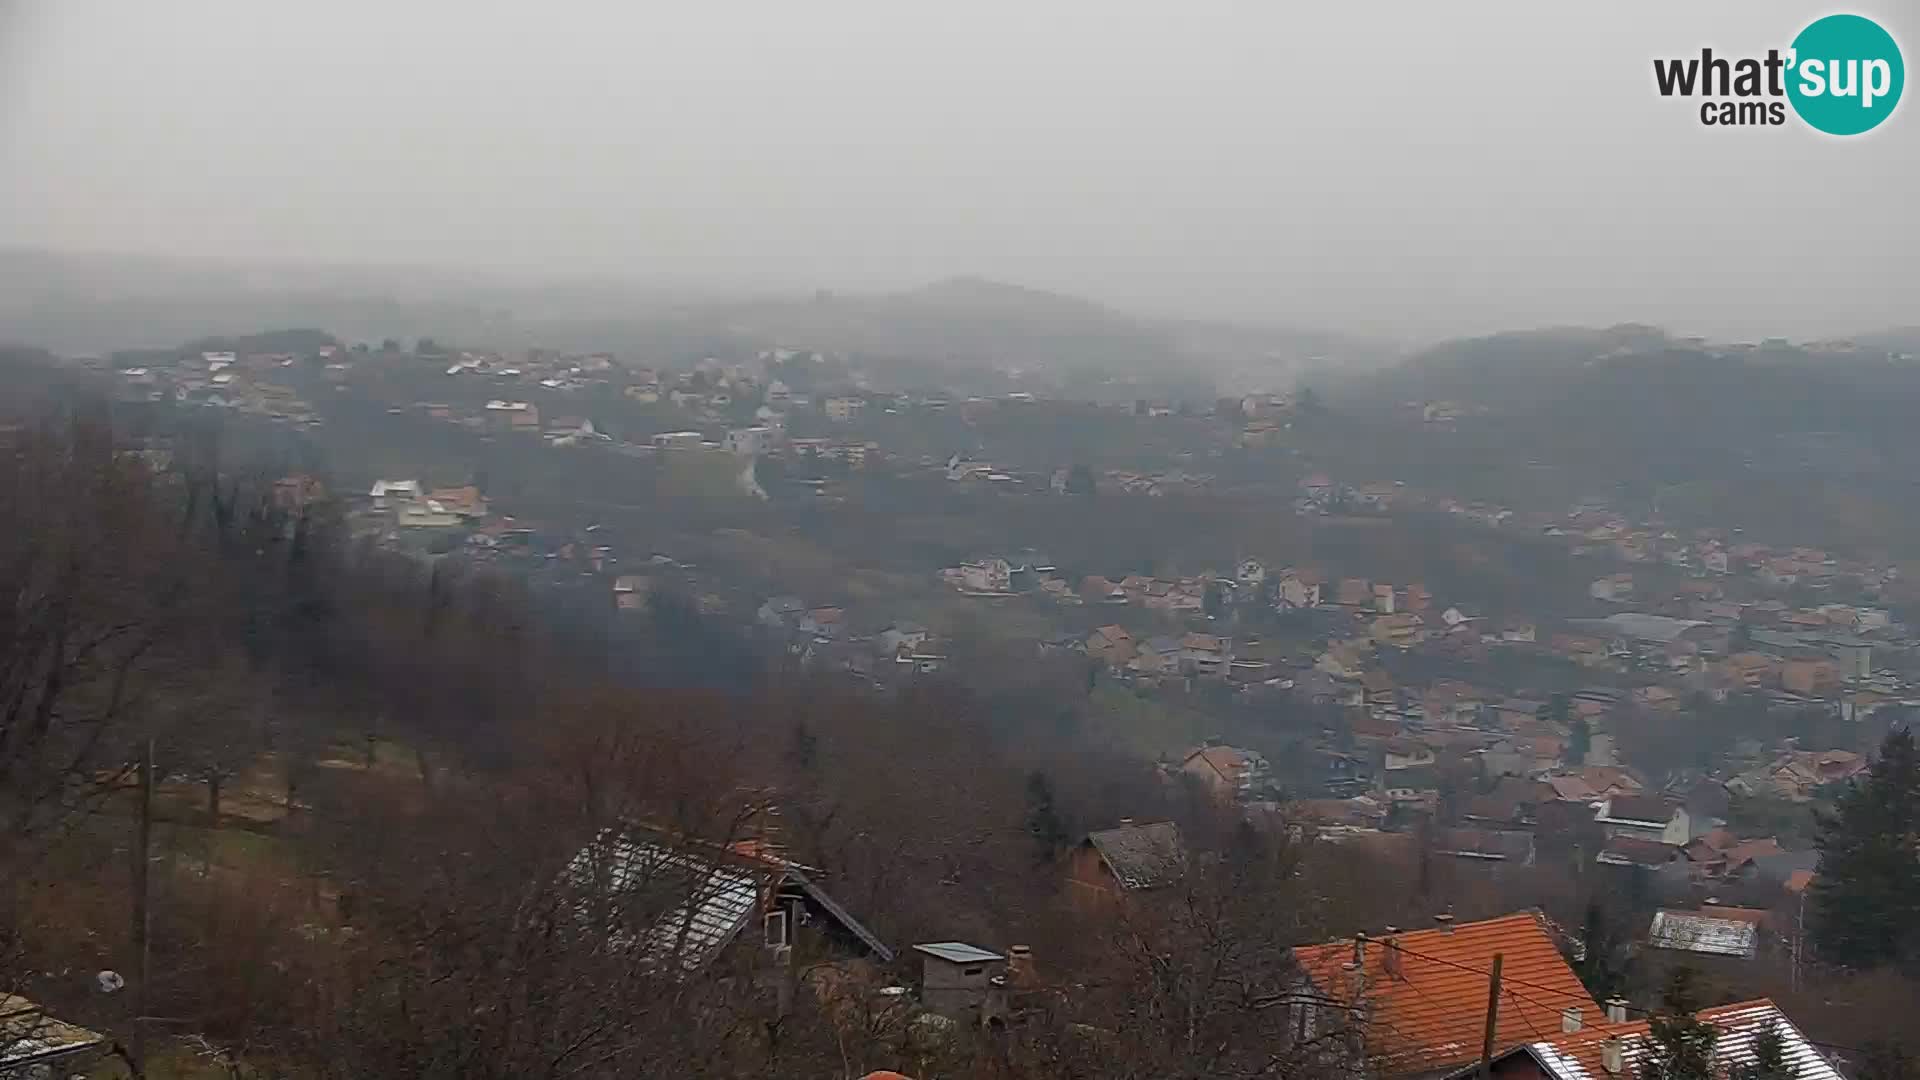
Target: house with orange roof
{"points": [[1616, 1047], [1419, 998], [1228, 772]]}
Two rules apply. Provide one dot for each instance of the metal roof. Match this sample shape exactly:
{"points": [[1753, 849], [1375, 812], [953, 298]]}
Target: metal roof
{"points": [[958, 952], [1578, 1056], [28, 1036], [1708, 935], [706, 902], [704, 896], [1642, 626]]}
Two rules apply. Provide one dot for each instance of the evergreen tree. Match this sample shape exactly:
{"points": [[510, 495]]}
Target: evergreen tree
{"points": [[1769, 1058], [1044, 821], [1599, 966], [1866, 894], [1679, 1046], [1579, 741]]}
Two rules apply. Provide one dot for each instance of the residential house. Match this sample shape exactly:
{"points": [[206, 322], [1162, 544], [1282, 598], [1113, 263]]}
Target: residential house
{"points": [[572, 430], [425, 515], [1420, 998], [986, 576], [1354, 593], [1617, 1049], [1749, 670], [1513, 802], [1400, 631], [1799, 775], [823, 622], [512, 416], [1157, 656], [781, 612], [1523, 755], [902, 635], [1109, 864], [1583, 649], [1613, 589], [1650, 855], [1810, 677], [1205, 654], [844, 409], [1709, 931], [1229, 773], [1344, 659], [1644, 817], [464, 502], [392, 494], [1379, 689], [1514, 714], [1095, 589], [1297, 590], [748, 441], [1111, 645], [1493, 848], [1656, 699], [684, 903]]}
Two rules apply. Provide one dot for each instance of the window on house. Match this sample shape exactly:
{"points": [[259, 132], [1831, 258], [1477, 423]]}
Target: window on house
{"points": [[973, 971], [776, 926]]}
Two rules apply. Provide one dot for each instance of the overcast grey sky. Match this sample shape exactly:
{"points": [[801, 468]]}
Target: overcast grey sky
{"points": [[1412, 168]]}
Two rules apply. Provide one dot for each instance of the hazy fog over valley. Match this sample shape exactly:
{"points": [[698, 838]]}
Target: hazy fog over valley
{"points": [[993, 542], [1345, 167]]}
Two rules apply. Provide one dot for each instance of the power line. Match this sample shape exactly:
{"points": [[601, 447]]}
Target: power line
{"points": [[1505, 979]]}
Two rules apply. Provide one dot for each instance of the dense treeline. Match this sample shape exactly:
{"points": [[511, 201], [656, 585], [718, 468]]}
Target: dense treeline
{"points": [[438, 751]]}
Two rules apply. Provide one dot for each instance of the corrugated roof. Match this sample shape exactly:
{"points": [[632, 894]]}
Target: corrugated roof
{"points": [[705, 896], [1141, 856], [1703, 933], [1434, 1010], [1577, 1056], [706, 902], [958, 952], [28, 1036]]}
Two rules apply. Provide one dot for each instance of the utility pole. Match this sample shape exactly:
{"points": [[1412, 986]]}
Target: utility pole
{"points": [[142, 918], [1493, 1016]]}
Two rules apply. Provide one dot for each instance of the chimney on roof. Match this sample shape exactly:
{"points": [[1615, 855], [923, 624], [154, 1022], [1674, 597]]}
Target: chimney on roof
{"points": [[1616, 1010], [1444, 921], [1390, 955], [1126, 822], [1020, 971], [1610, 1055], [1570, 1019], [1356, 983], [1360, 949]]}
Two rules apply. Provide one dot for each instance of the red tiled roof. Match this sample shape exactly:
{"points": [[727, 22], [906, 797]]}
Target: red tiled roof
{"points": [[1434, 1009]]}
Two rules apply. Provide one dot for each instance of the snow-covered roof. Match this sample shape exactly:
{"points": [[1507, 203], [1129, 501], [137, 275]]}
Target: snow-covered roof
{"points": [[1692, 931]]}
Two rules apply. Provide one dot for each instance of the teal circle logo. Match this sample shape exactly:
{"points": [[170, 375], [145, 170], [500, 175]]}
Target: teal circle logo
{"points": [[1845, 75]]}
